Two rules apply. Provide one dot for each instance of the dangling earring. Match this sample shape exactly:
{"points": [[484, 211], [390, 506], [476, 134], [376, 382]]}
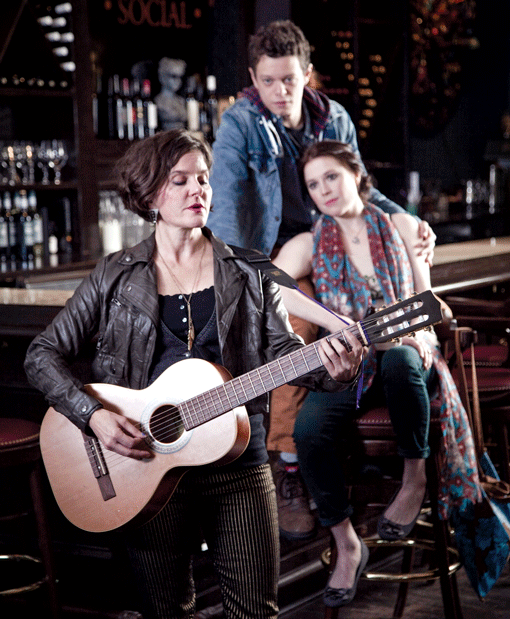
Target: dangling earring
{"points": [[153, 214]]}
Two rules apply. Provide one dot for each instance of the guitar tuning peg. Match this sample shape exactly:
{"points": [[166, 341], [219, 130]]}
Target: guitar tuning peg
{"points": [[412, 334], [427, 328], [399, 300]]}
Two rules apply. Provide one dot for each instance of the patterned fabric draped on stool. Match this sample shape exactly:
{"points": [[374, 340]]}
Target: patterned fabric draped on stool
{"points": [[375, 437], [20, 452]]}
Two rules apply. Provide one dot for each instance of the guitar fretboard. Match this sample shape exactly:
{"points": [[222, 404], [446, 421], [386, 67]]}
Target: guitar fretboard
{"points": [[247, 387], [382, 326]]}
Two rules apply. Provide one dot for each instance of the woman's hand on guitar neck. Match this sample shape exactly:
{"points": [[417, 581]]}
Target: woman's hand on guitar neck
{"points": [[118, 434], [341, 364]]}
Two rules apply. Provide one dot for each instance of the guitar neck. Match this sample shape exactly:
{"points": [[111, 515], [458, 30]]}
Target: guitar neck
{"points": [[243, 389], [386, 324]]}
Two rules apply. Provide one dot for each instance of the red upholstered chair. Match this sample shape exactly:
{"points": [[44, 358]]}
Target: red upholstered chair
{"points": [[20, 457], [491, 318]]}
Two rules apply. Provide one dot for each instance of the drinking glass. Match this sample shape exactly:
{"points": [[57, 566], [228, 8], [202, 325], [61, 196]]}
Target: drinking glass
{"points": [[43, 156], [58, 159]]}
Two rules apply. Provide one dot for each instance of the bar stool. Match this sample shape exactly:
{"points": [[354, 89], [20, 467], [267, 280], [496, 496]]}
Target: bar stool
{"points": [[20, 455], [374, 435]]}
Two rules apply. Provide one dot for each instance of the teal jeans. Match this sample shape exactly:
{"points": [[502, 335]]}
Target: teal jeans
{"points": [[405, 386]]}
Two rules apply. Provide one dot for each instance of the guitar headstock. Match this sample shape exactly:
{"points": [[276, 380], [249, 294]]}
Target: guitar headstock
{"points": [[418, 312]]}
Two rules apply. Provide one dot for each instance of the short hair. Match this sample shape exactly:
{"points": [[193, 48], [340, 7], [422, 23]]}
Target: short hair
{"points": [[145, 167], [277, 39], [344, 154]]}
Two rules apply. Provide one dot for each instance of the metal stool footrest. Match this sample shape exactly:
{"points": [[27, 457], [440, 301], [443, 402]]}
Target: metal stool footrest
{"points": [[412, 544], [19, 559]]}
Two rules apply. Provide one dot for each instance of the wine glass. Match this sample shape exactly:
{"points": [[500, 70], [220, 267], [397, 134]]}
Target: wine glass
{"points": [[30, 153], [58, 159], [4, 162], [43, 154]]}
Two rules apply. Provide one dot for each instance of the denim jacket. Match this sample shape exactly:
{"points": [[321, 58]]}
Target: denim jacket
{"points": [[247, 196]]}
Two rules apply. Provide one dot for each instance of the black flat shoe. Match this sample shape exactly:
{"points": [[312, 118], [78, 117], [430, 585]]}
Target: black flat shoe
{"points": [[335, 598], [393, 532]]}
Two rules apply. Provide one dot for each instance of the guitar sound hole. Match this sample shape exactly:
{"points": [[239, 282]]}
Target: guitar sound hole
{"points": [[166, 424]]}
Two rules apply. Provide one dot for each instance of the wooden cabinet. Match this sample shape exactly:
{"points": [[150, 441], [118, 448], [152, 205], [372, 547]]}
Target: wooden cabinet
{"points": [[40, 101]]}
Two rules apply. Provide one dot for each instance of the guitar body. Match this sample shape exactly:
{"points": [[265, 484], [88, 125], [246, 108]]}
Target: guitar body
{"points": [[129, 491]]}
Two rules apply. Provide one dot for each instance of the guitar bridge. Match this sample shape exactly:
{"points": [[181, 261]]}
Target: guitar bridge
{"points": [[99, 468]]}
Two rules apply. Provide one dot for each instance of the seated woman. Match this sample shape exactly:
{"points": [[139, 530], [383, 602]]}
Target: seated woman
{"points": [[358, 262]]}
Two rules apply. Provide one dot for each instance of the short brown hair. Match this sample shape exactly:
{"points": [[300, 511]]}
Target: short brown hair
{"points": [[278, 39], [344, 154], [144, 168]]}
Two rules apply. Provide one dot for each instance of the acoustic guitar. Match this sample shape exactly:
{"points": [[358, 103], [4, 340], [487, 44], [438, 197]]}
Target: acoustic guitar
{"points": [[192, 415]]}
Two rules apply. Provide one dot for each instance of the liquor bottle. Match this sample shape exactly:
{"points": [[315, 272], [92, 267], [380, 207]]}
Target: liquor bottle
{"points": [[96, 98], [63, 8], [120, 110], [4, 239], [110, 226], [46, 20], [38, 228], [192, 106], [62, 51], [11, 230], [66, 240], [69, 66], [111, 111], [150, 109], [127, 102], [211, 109], [60, 35], [138, 111], [25, 231], [199, 93]]}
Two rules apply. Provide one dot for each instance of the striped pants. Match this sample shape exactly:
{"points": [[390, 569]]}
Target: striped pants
{"points": [[235, 512]]}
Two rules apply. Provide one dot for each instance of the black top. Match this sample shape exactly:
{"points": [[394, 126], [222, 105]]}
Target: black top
{"points": [[172, 346]]}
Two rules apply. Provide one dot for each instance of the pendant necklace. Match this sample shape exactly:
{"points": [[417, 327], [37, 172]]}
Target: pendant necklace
{"points": [[355, 239], [187, 299]]}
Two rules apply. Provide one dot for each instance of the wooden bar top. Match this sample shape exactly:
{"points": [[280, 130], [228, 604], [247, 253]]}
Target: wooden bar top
{"points": [[471, 264], [22, 296], [469, 250], [457, 266]]}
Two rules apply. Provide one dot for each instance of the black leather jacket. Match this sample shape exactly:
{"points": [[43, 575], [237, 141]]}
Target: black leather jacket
{"points": [[118, 304]]}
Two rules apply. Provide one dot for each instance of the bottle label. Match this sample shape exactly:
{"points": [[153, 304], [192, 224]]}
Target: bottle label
{"points": [[4, 236], [38, 231]]}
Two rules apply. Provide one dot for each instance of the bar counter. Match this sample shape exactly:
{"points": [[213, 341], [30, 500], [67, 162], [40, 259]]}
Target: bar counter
{"points": [[470, 265], [457, 267]]}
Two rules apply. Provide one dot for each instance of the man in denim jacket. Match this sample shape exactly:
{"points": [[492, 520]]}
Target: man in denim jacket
{"points": [[260, 203]]}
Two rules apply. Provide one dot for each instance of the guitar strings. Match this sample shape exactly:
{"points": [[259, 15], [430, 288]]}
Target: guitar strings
{"points": [[351, 328]]}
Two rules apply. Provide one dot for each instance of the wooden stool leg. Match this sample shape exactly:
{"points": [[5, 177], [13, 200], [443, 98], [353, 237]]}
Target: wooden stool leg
{"points": [[331, 613], [44, 538], [449, 590], [403, 588]]}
